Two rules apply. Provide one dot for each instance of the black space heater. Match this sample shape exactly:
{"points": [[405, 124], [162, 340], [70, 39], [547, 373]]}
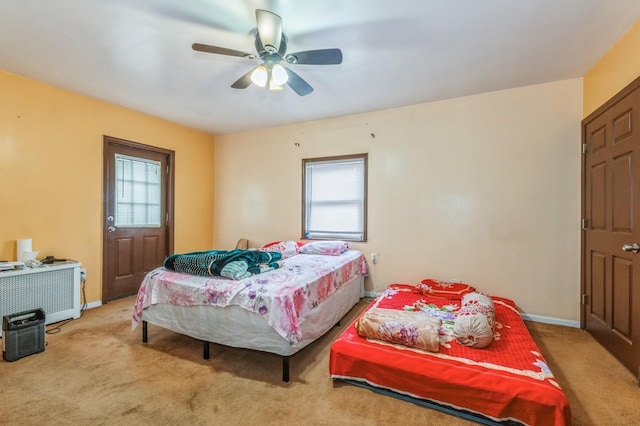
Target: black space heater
{"points": [[22, 334]]}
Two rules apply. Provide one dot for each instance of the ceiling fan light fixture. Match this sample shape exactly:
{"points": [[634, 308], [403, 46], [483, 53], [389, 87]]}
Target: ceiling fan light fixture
{"points": [[275, 87], [279, 75], [259, 76]]}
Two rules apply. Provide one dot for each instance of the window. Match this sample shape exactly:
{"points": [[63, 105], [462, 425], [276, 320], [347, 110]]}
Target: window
{"points": [[137, 192], [334, 204]]}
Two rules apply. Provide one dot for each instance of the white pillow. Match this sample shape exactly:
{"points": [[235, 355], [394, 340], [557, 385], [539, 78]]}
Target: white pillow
{"points": [[332, 248]]}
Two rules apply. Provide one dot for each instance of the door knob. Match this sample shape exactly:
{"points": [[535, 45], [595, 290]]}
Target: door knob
{"points": [[113, 228], [635, 248]]}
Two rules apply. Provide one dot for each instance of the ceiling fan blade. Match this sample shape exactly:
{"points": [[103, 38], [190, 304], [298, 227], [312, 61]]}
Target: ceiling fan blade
{"points": [[316, 57], [298, 85], [244, 81], [221, 50], [269, 30]]}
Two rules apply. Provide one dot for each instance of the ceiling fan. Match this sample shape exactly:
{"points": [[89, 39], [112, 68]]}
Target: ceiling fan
{"points": [[271, 45]]}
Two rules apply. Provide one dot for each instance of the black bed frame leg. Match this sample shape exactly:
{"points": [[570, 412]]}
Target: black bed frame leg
{"points": [[145, 336], [285, 368], [205, 350]]}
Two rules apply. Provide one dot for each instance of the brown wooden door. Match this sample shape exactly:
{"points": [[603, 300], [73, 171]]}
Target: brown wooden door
{"points": [[611, 205], [138, 211]]}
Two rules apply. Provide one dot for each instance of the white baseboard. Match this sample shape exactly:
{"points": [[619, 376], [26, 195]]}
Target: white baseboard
{"points": [[550, 320], [94, 304]]}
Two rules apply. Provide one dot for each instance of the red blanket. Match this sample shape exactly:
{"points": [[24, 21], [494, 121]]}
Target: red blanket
{"points": [[508, 380]]}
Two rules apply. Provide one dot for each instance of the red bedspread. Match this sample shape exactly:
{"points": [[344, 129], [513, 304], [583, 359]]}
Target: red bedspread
{"points": [[508, 380]]}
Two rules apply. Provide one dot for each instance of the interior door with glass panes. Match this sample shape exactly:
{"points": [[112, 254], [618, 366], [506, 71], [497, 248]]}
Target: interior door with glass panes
{"points": [[136, 215]]}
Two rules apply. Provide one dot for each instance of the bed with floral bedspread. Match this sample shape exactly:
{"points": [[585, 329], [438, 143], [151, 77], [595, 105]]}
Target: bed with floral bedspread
{"points": [[279, 311]]}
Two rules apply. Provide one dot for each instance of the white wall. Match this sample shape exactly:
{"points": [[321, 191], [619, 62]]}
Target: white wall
{"points": [[484, 188]]}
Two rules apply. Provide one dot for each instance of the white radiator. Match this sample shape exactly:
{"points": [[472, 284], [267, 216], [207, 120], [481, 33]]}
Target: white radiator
{"points": [[54, 288]]}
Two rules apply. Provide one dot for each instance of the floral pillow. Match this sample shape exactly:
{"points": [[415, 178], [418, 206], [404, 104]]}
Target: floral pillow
{"points": [[413, 329], [443, 289], [286, 248], [331, 248], [474, 325]]}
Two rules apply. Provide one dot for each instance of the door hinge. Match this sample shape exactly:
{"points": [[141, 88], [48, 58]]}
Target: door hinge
{"points": [[585, 299], [584, 148], [585, 224]]}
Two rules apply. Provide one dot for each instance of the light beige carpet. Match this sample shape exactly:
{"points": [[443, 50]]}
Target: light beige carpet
{"points": [[96, 371]]}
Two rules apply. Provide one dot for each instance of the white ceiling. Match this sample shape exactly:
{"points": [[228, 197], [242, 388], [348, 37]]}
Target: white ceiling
{"points": [[137, 53]]}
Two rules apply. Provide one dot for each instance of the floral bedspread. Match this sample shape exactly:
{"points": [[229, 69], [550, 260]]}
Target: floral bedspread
{"points": [[283, 296]]}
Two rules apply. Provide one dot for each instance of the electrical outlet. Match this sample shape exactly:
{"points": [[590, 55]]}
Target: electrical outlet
{"points": [[83, 274], [374, 258]]}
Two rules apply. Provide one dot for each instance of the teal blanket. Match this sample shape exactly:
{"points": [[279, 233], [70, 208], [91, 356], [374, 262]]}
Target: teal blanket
{"points": [[235, 264]]}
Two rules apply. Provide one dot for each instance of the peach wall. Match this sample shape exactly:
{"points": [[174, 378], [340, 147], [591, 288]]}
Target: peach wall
{"points": [[51, 143], [484, 188], [615, 70]]}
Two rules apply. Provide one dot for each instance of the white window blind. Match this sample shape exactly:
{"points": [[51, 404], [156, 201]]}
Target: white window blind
{"points": [[137, 192], [335, 198]]}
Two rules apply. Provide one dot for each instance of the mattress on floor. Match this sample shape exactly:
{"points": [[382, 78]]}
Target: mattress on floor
{"points": [[507, 381]]}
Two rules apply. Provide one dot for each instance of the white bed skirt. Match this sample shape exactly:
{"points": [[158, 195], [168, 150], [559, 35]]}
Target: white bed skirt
{"points": [[238, 327]]}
